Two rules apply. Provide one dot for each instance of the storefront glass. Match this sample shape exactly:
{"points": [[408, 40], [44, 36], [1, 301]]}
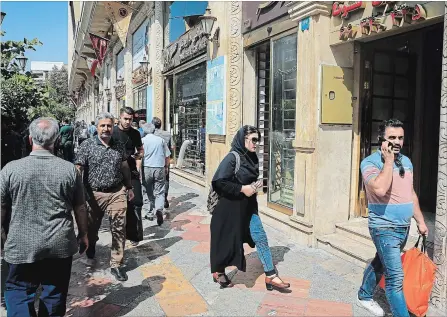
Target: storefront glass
{"points": [[188, 117], [283, 114], [139, 98]]}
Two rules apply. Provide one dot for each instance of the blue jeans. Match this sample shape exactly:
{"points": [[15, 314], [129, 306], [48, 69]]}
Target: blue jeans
{"points": [[262, 245], [389, 243], [24, 279]]}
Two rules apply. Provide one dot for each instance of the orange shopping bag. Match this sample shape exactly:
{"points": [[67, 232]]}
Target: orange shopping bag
{"points": [[419, 277]]}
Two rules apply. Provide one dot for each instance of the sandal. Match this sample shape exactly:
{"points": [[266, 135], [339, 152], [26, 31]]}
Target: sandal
{"points": [[271, 285], [223, 284]]}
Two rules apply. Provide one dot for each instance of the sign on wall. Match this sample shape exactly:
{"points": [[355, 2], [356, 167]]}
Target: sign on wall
{"points": [[140, 41], [215, 96]]}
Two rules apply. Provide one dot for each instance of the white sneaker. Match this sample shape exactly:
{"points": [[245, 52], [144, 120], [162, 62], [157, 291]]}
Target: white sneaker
{"points": [[88, 262], [372, 306]]}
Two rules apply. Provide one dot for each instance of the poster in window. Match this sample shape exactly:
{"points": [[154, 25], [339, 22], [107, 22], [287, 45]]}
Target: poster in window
{"points": [[215, 97]]}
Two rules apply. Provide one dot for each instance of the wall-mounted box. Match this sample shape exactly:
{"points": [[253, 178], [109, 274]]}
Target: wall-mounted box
{"points": [[336, 94]]}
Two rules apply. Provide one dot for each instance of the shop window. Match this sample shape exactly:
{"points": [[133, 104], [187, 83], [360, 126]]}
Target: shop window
{"points": [[139, 98], [283, 114], [120, 64], [189, 119]]}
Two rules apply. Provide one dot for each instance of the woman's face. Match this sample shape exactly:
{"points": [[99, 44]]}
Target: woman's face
{"points": [[251, 142]]}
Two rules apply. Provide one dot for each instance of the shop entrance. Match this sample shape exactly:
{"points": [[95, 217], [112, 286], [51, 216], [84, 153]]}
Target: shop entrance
{"points": [[402, 79], [188, 119]]}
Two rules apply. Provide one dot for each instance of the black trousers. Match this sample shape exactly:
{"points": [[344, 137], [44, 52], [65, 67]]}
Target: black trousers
{"points": [[167, 184], [134, 222], [24, 279], [67, 149]]}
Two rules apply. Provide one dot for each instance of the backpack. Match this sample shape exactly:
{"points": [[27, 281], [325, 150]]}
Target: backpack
{"points": [[213, 197]]}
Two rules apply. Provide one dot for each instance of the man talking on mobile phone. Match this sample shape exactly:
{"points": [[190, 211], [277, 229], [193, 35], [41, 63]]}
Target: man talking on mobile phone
{"points": [[392, 201]]}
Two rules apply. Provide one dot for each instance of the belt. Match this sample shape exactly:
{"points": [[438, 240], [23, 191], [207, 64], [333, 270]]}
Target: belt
{"points": [[106, 189]]}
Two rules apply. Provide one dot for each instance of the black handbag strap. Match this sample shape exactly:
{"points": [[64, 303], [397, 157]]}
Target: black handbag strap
{"points": [[424, 243]]}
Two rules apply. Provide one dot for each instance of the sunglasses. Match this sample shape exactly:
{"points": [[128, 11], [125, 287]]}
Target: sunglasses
{"points": [[401, 168], [253, 140]]}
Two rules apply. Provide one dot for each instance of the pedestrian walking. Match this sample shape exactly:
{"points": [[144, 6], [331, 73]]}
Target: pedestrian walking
{"points": [[156, 162], [39, 192], [165, 135], [140, 127], [91, 129], [107, 177], [66, 142], [392, 201], [11, 143], [134, 149], [235, 218]]}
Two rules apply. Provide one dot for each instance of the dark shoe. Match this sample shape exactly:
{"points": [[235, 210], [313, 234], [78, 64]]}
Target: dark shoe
{"points": [[159, 215], [222, 279], [134, 243], [271, 284], [149, 217], [166, 203], [119, 274]]}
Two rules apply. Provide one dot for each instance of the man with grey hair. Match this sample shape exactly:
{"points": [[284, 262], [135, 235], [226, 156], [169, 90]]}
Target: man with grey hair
{"points": [[155, 162], [38, 194], [165, 135], [107, 179]]}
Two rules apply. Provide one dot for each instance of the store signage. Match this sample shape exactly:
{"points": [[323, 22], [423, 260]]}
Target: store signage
{"points": [[120, 91], [140, 75], [343, 9], [399, 13], [189, 45]]}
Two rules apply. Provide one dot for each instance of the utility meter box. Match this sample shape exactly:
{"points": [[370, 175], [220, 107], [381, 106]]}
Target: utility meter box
{"points": [[336, 95]]}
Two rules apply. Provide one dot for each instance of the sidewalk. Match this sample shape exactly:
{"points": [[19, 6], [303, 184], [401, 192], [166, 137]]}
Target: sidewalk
{"points": [[169, 275]]}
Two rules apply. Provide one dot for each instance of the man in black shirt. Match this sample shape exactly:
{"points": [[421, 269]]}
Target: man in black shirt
{"points": [[131, 139]]}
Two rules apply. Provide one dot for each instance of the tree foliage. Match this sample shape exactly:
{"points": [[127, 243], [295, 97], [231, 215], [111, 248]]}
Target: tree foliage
{"points": [[18, 94], [11, 50], [58, 103]]}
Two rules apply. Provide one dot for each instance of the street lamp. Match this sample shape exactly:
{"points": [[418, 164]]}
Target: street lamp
{"points": [[22, 61], [207, 21], [144, 62], [3, 16]]}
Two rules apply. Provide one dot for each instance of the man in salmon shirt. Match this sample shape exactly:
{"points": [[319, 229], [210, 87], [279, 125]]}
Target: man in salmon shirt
{"points": [[392, 201]]}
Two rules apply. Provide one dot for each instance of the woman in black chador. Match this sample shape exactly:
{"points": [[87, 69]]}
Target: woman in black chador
{"points": [[235, 218]]}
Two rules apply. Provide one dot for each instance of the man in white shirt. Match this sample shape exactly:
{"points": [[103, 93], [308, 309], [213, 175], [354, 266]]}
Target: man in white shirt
{"points": [[155, 162]]}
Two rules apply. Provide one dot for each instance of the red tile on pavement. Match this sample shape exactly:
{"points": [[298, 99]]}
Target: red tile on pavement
{"points": [[185, 216], [196, 236], [322, 308], [281, 306], [202, 247], [196, 227], [90, 307]]}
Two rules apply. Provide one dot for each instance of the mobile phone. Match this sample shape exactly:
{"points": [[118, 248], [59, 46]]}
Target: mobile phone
{"points": [[382, 139]]}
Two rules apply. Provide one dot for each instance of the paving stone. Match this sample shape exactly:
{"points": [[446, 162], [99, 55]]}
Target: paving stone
{"points": [[202, 247], [272, 305], [321, 308]]}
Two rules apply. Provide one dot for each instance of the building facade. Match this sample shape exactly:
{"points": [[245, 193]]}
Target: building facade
{"points": [[130, 74], [40, 70], [316, 78]]}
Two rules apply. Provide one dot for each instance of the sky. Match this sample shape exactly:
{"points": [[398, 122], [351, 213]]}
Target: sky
{"points": [[183, 8], [48, 21]]}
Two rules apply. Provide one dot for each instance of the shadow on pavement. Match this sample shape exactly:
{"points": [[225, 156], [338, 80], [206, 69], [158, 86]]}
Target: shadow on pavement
{"points": [[119, 302], [254, 267]]}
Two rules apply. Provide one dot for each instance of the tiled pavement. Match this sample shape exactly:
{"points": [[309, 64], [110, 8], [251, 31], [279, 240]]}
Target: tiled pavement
{"points": [[169, 275]]}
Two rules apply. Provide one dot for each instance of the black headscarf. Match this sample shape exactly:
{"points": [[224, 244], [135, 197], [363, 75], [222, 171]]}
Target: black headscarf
{"points": [[249, 169]]}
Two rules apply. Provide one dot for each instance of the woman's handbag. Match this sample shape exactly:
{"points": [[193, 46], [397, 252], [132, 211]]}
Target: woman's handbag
{"points": [[419, 277], [213, 197]]}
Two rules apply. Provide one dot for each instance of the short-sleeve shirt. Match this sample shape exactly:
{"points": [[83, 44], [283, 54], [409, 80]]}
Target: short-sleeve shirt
{"points": [[155, 151], [131, 139], [102, 164], [395, 209], [66, 134], [40, 192]]}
